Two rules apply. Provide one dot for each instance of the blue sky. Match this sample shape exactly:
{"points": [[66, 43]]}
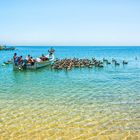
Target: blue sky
{"points": [[70, 22]]}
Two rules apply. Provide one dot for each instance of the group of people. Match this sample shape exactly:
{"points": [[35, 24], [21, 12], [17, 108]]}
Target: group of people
{"points": [[30, 60], [20, 61]]}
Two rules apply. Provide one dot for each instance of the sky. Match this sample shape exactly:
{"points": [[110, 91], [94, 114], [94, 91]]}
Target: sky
{"points": [[70, 22]]}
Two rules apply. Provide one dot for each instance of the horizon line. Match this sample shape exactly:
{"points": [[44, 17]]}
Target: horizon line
{"points": [[75, 45]]}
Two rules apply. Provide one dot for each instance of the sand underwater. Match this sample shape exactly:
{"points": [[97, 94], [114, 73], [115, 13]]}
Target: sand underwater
{"points": [[80, 104]]}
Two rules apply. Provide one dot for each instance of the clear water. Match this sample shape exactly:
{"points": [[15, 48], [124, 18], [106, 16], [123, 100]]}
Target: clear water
{"points": [[77, 104]]}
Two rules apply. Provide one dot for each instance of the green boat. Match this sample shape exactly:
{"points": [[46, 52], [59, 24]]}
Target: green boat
{"points": [[3, 47]]}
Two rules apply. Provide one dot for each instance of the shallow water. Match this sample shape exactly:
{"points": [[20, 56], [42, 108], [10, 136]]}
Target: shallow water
{"points": [[97, 103]]}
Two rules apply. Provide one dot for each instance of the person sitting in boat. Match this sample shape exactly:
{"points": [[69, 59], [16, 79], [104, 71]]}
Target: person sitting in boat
{"points": [[44, 58], [20, 60], [28, 57], [25, 61], [31, 61], [15, 56], [50, 56]]}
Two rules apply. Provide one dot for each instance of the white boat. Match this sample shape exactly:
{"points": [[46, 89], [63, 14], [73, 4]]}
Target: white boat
{"points": [[34, 66]]}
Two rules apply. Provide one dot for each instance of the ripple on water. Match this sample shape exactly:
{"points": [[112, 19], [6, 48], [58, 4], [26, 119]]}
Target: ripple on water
{"points": [[80, 104]]}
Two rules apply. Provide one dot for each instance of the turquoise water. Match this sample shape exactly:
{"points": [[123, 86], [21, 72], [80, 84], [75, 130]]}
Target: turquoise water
{"points": [[86, 103]]}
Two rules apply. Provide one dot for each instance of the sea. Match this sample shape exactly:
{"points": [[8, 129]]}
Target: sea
{"points": [[77, 104]]}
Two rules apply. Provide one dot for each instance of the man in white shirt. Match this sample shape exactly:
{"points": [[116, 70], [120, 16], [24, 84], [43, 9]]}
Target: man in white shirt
{"points": [[28, 57]]}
